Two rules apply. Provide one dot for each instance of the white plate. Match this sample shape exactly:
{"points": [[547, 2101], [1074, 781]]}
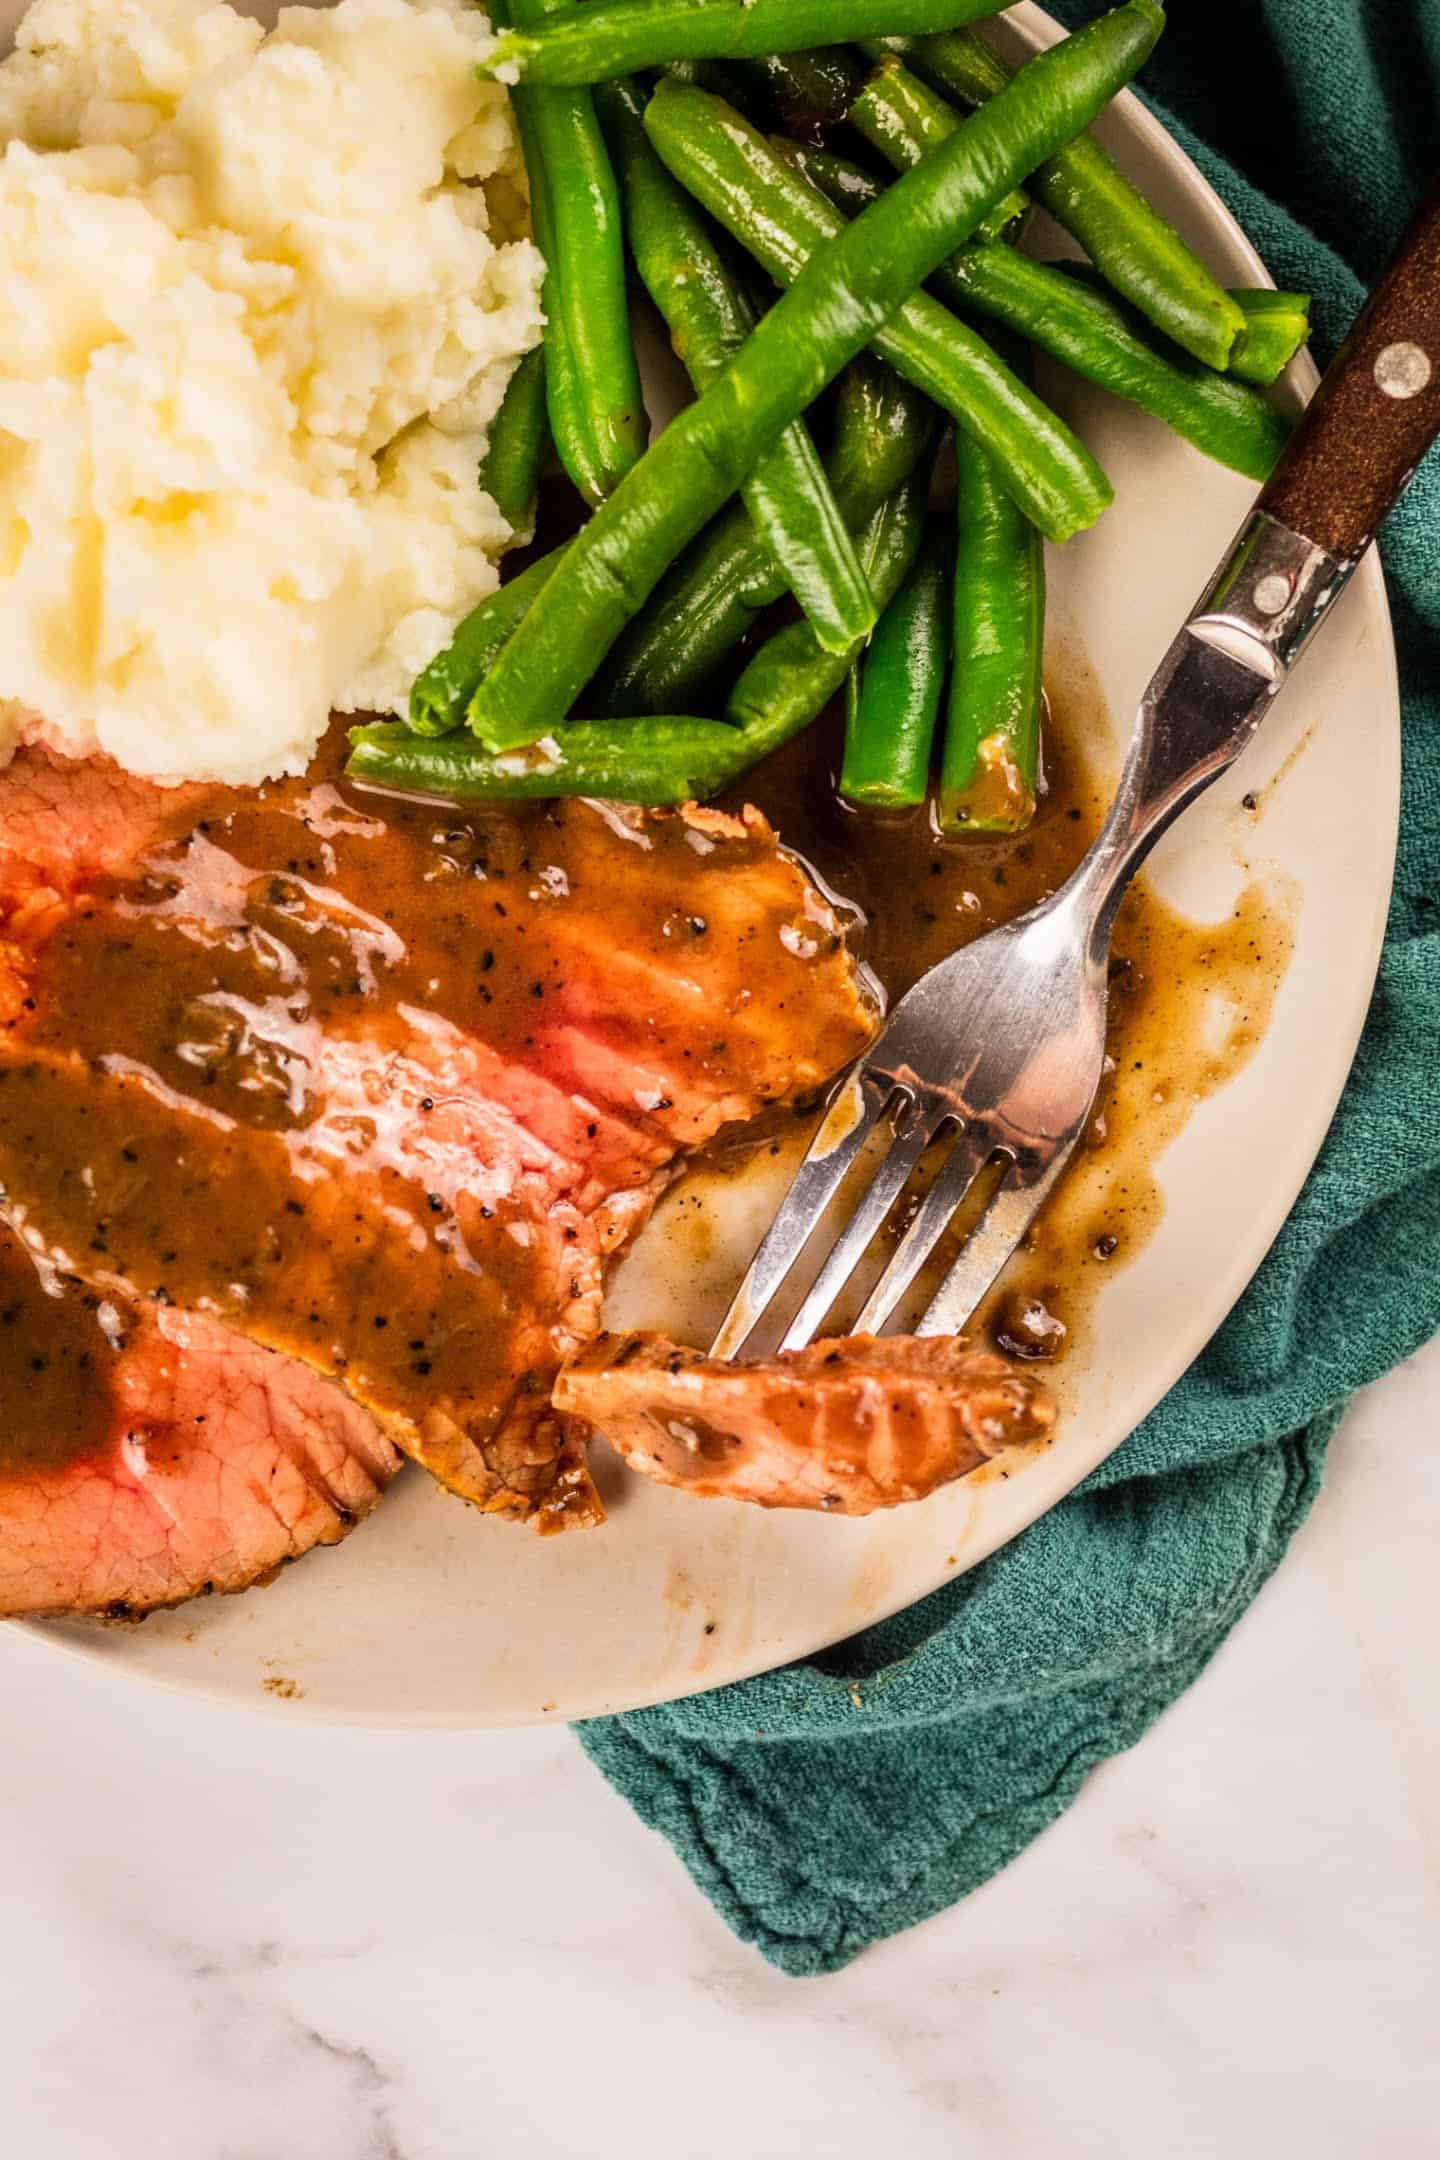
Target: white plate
{"points": [[431, 1615]]}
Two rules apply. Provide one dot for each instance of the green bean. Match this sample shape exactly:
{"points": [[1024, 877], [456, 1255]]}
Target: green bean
{"points": [[1276, 326], [709, 317], [706, 605], [837, 304], [791, 679], [758, 197], [904, 119], [441, 691], [1085, 191], [848, 185], [1006, 219], [890, 721], [1058, 308], [597, 412], [615, 37], [510, 468], [899, 114], [704, 608], [992, 720], [566, 407], [883, 427], [812, 89], [1104, 342], [667, 760], [1065, 309]]}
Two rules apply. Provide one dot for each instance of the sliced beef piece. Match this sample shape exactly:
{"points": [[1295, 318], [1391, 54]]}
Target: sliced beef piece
{"points": [[426, 1256], [159, 1454], [697, 979], [848, 1426], [381, 1086]]}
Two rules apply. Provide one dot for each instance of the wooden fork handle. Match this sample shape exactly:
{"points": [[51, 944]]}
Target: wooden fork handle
{"points": [[1377, 411]]}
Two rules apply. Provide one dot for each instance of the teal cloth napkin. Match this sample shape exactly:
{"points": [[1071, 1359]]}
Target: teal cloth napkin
{"points": [[835, 1802]]}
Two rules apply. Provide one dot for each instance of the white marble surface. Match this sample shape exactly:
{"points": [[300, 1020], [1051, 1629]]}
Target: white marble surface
{"points": [[229, 1939]]}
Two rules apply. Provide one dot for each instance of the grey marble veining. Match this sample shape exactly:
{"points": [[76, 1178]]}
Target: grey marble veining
{"points": [[241, 1940]]}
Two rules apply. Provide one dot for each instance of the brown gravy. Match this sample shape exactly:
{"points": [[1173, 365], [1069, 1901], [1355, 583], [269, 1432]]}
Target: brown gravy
{"points": [[315, 896], [54, 1349], [265, 1073], [140, 1013], [1189, 1001]]}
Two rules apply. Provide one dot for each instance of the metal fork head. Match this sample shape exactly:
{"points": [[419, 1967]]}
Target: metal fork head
{"points": [[1003, 1044], [1024, 1008]]}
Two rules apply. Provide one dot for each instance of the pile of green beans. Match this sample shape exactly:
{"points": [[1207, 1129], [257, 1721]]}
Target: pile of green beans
{"points": [[731, 168], [972, 611], [668, 759], [1082, 187], [608, 665], [841, 300], [1061, 312], [717, 593], [1253, 333]]}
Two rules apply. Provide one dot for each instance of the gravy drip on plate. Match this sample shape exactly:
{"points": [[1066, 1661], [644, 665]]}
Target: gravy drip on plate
{"points": [[1189, 1004], [1189, 1001]]}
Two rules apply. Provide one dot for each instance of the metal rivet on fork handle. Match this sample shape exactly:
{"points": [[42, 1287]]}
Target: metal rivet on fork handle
{"points": [[1273, 593], [1403, 370]]}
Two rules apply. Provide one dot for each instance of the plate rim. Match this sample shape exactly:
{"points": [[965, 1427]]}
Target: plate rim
{"points": [[83, 1640]]}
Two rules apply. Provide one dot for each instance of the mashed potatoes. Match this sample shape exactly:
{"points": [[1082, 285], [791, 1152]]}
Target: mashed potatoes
{"points": [[256, 314]]}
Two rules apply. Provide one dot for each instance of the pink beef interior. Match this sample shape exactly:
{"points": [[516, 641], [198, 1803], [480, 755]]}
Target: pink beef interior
{"points": [[343, 1103]]}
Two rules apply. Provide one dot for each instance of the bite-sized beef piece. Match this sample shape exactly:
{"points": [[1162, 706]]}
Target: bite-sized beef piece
{"points": [[158, 1454], [381, 1085], [848, 1426]]}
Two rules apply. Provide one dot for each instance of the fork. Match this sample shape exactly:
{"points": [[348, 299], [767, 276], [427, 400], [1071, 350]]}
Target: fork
{"points": [[1001, 1046]]}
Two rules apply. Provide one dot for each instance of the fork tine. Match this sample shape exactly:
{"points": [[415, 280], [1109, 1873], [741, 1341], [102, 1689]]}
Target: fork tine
{"points": [[984, 1253], [955, 1179], [858, 1106], [846, 1253]]}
